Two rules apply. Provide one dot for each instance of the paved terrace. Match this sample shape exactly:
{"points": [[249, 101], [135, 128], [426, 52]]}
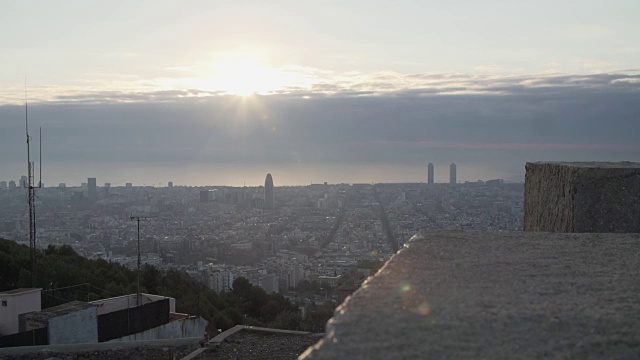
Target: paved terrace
{"points": [[495, 295]]}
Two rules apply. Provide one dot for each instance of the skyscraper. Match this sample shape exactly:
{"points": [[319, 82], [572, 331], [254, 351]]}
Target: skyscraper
{"points": [[452, 174], [430, 173], [92, 189], [268, 193]]}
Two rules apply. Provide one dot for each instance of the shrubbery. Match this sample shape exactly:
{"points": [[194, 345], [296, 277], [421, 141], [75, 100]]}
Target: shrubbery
{"points": [[78, 278]]}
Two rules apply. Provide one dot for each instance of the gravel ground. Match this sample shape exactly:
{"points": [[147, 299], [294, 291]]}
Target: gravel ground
{"points": [[143, 352], [260, 345]]}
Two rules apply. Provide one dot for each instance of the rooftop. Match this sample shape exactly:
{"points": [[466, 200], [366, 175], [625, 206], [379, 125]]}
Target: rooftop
{"points": [[495, 295], [19, 291], [260, 345], [64, 309]]}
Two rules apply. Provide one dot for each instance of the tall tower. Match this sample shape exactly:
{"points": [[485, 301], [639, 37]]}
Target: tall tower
{"points": [[268, 193], [92, 189], [452, 174], [430, 173]]}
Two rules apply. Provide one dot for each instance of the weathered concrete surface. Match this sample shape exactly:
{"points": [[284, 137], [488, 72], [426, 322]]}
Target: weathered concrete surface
{"points": [[253, 342], [260, 345], [75, 322], [184, 328], [481, 295], [582, 197], [229, 332], [154, 349]]}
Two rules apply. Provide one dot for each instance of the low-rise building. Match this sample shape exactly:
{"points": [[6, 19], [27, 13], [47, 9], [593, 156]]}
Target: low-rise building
{"points": [[74, 322], [15, 302]]}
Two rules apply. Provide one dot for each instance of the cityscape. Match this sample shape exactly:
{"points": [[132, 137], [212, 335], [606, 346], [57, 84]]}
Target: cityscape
{"points": [[319, 179], [275, 237]]}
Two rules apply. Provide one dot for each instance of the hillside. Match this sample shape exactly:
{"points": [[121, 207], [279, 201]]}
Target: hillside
{"points": [[65, 276]]}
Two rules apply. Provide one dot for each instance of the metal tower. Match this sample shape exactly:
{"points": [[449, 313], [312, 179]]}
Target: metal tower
{"points": [[31, 191], [138, 219]]}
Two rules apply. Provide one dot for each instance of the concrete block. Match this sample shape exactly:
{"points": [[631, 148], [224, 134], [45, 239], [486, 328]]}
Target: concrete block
{"points": [[495, 295], [582, 197]]}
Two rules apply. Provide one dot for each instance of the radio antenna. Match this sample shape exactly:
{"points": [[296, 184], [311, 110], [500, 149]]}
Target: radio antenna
{"points": [[40, 181], [138, 219], [31, 188]]}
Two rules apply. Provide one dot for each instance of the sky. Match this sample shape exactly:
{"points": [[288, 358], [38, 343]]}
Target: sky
{"points": [[222, 92]]}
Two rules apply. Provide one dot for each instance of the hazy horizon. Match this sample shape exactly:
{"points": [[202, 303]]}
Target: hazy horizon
{"points": [[299, 175], [222, 93]]}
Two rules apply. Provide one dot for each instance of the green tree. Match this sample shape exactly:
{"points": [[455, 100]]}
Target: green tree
{"points": [[149, 278], [234, 315], [242, 287], [59, 267], [289, 320]]}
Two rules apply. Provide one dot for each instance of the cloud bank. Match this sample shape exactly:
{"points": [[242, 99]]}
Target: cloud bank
{"points": [[376, 120]]}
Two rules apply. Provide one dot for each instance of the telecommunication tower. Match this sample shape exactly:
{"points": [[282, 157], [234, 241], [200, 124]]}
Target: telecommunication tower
{"points": [[138, 219], [31, 190]]}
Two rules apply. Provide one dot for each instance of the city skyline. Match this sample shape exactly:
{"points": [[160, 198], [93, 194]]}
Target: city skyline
{"points": [[443, 177]]}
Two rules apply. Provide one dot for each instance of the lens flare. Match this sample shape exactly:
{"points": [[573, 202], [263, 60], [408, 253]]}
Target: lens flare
{"points": [[413, 300]]}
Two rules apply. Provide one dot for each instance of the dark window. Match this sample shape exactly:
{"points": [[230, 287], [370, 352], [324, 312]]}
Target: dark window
{"points": [[4, 302]]}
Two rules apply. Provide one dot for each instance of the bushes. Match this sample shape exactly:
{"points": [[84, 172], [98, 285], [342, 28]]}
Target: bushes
{"points": [[59, 267]]}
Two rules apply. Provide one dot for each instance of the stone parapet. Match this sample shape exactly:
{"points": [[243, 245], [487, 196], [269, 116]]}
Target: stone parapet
{"points": [[582, 197], [502, 295]]}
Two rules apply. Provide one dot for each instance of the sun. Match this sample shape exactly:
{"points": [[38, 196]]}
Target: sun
{"points": [[244, 76]]}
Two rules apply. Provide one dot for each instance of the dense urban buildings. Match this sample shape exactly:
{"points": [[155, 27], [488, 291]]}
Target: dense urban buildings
{"points": [[321, 233]]}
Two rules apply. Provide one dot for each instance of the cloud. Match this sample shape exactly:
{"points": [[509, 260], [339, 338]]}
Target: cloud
{"points": [[589, 32], [508, 146], [480, 119], [317, 83]]}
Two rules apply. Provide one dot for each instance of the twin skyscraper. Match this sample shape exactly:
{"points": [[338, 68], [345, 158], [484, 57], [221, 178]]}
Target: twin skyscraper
{"points": [[453, 177]]}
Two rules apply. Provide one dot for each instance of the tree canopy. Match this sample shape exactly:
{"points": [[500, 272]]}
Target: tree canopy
{"points": [[65, 276]]}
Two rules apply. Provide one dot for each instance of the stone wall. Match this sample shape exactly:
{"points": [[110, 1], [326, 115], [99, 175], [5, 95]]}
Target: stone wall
{"points": [[582, 197]]}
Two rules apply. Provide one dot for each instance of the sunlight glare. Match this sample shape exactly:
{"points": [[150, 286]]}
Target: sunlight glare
{"points": [[245, 76]]}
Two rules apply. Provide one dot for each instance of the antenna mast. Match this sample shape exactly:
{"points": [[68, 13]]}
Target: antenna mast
{"points": [[138, 219], [31, 189]]}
